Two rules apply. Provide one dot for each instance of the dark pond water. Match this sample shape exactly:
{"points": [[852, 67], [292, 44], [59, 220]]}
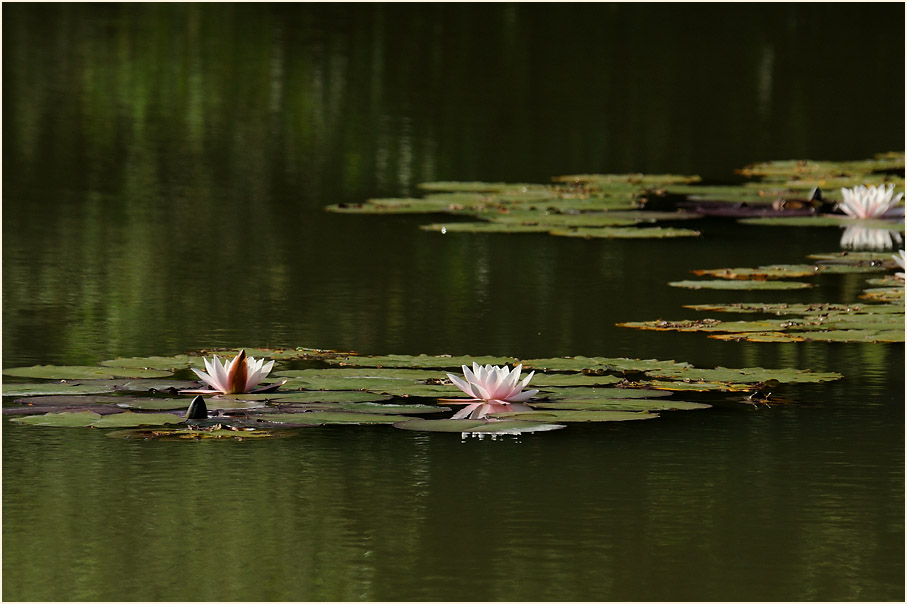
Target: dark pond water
{"points": [[164, 173]]}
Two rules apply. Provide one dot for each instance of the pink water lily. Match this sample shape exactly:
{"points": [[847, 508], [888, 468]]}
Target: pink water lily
{"points": [[869, 202], [239, 376], [494, 389]]}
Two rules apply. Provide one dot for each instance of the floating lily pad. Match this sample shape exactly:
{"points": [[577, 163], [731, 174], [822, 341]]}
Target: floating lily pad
{"points": [[739, 284], [783, 271], [327, 417], [172, 404], [68, 400], [849, 257], [572, 379], [316, 396], [196, 434], [581, 363], [706, 325], [795, 309], [620, 404], [569, 415], [748, 375], [77, 372], [382, 408], [599, 394], [825, 221], [72, 419], [161, 385], [606, 180], [419, 361], [480, 187], [681, 386], [129, 419], [846, 335], [627, 233], [555, 220], [483, 227], [65, 388], [420, 390], [180, 361], [467, 426]]}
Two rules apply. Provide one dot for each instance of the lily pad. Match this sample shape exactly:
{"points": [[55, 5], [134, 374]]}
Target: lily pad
{"points": [[314, 396], [327, 417], [483, 227], [196, 434], [620, 404], [65, 388], [419, 361], [599, 394], [696, 386], [825, 221], [180, 361], [72, 419], [627, 233], [556, 220], [571, 379], [467, 426], [569, 415], [129, 419], [480, 187], [740, 284], [77, 372], [748, 375], [605, 180], [594, 364], [783, 271], [172, 404]]}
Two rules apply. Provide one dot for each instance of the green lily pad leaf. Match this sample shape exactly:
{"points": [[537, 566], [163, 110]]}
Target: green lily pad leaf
{"points": [[404, 206], [554, 220], [795, 309], [789, 169], [740, 284], [850, 257], [75, 387], [561, 415], [196, 434], [367, 372], [599, 394], [313, 396], [708, 325], [328, 417], [595, 364], [681, 386], [824, 221], [887, 281], [421, 390], [884, 294], [627, 233], [571, 379], [419, 361], [483, 227], [605, 180], [846, 335], [748, 375], [157, 385], [479, 187], [213, 403], [72, 419], [467, 426], [76, 372], [783, 271], [382, 408], [64, 400], [128, 419], [620, 404], [180, 361]]}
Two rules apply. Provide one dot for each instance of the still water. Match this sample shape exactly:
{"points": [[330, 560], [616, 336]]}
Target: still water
{"points": [[165, 170]]}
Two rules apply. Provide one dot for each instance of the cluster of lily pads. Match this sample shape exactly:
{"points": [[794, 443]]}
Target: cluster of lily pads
{"points": [[150, 397], [880, 318], [858, 196]]}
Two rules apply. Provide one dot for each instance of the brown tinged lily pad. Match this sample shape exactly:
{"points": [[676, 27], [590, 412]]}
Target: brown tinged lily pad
{"points": [[626, 233], [572, 415], [740, 284], [76, 372]]}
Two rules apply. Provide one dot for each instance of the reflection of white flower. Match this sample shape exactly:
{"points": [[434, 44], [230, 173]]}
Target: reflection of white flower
{"points": [[899, 258], [238, 376], [869, 202], [858, 237], [494, 389]]}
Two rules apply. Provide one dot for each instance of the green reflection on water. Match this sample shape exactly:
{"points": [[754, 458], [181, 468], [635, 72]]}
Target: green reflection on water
{"points": [[165, 167]]}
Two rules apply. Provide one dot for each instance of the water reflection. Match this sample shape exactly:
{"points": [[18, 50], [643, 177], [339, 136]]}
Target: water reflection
{"points": [[857, 237]]}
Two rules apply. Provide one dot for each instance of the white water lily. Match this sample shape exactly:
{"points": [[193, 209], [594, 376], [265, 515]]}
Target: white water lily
{"points": [[238, 376], [869, 202], [494, 389]]}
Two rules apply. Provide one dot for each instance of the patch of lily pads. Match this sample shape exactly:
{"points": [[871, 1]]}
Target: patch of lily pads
{"points": [[411, 392], [880, 319]]}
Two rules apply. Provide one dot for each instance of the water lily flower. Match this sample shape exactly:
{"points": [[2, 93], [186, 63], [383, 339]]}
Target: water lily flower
{"points": [[869, 202], [494, 389], [239, 376], [899, 258]]}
